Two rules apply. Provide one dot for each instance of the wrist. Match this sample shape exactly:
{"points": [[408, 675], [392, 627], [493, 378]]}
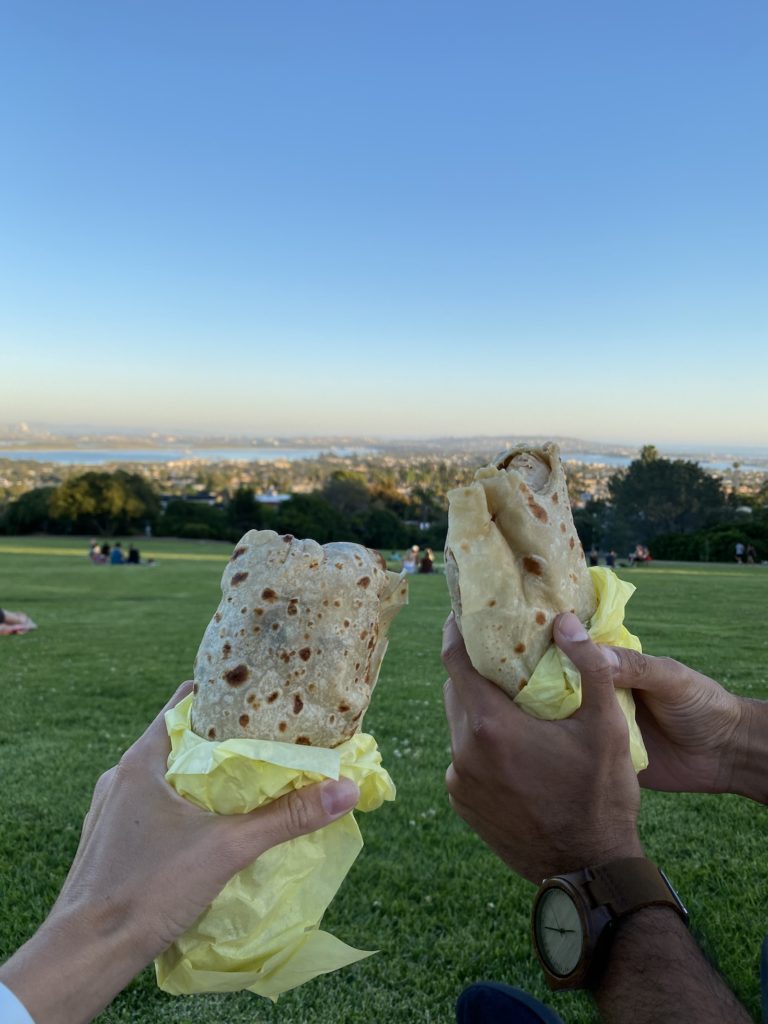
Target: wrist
{"points": [[749, 775], [72, 968]]}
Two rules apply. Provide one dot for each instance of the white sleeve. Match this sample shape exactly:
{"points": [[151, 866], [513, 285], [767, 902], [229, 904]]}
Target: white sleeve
{"points": [[11, 1009]]}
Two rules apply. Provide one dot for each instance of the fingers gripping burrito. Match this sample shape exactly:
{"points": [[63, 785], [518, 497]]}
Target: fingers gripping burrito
{"points": [[514, 562], [294, 649], [283, 677]]}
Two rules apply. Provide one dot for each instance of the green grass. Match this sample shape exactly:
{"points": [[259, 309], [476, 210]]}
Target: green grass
{"points": [[114, 642]]}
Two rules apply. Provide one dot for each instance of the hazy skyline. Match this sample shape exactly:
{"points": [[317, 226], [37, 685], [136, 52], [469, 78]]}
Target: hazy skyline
{"points": [[414, 219]]}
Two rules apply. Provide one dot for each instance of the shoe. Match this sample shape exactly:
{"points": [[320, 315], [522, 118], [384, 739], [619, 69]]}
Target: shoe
{"points": [[490, 1002]]}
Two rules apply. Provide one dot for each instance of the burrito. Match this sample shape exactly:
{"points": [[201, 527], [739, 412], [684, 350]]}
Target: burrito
{"points": [[294, 649], [513, 562]]}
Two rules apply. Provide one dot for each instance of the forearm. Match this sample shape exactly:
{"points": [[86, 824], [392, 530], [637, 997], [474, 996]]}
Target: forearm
{"points": [[69, 971], [750, 770], [656, 972]]}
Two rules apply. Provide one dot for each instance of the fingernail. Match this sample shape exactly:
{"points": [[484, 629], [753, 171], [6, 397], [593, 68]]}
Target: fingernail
{"points": [[338, 797], [570, 627]]}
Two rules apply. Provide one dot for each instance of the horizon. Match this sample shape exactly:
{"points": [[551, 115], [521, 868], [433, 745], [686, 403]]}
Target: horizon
{"points": [[196, 439], [413, 221]]}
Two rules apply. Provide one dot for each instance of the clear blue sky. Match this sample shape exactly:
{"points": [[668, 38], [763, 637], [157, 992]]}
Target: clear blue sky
{"points": [[395, 218]]}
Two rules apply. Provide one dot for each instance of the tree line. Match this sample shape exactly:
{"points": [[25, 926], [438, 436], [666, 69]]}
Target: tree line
{"points": [[672, 506], [126, 504]]}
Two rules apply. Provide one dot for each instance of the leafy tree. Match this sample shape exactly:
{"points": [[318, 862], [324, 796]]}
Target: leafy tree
{"points": [[30, 512], [244, 512], [310, 515], [592, 524], [105, 503], [193, 519], [347, 492], [656, 495]]}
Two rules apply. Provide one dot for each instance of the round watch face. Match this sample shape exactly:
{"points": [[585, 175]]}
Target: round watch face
{"points": [[559, 932]]}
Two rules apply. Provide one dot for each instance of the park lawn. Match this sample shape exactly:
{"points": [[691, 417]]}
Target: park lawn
{"points": [[443, 911]]}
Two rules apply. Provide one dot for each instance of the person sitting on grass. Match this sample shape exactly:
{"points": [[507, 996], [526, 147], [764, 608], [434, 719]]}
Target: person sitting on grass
{"points": [[15, 622]]}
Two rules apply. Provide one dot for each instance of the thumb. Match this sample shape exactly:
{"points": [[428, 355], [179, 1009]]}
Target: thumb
{"points": [[295, 814], [596, 664]]}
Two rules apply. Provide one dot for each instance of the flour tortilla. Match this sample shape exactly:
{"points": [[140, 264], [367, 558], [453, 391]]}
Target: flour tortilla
{"points": [[294, 650], [514, 562]]}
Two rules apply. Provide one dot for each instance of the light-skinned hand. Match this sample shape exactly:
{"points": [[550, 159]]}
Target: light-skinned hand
{"points": [[149, 862], [547, 797]]}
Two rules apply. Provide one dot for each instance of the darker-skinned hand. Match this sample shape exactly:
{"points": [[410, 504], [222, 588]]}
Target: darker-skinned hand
{"points": [[548, 797]]}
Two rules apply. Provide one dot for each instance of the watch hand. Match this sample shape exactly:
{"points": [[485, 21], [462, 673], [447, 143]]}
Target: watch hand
{"points": [[560, 931]]}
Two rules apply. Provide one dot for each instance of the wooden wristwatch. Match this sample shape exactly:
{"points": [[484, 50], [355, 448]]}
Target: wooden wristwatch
{"points": [[575, 915]]}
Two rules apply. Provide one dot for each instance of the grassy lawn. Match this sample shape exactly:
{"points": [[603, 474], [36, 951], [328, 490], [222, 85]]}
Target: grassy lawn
{"points": [[114, 642]]}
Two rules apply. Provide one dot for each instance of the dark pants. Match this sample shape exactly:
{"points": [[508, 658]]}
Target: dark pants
{"points": [[490, 1002]]}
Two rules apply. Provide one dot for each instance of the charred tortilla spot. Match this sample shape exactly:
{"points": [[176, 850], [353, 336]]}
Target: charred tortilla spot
{"points": [[298, 704], [358, 716], [331, 719], [571, 543], [555, 498], [337, 603], [305, 741], [532, 565], [237, 552], [313, 565], [195, 688], [282, 726], [272, 697], [226, 650], [541, 618], [364, 581], [305, 653], [311, 688], [237, 675], [243, 611], [285, 657], [244, 720], [464, 546], [212, 733], [562, 527], [288, 538], [538, 511], [269, 595], [339, 565], [492, 603], [292, 609], [275, 625], [346, 623], [343, 708], [521, 684], [217, 617], [239, 577], [363, 634], [519, 648], [257, 629]]}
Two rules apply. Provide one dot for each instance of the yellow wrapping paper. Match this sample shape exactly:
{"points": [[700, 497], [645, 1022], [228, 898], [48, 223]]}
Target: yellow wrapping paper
{"points": [[554, 689], [262, 931]]}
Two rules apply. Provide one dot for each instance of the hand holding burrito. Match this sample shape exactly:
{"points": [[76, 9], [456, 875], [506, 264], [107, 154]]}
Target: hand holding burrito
{"points": [[283, 677], [513, 563]]}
